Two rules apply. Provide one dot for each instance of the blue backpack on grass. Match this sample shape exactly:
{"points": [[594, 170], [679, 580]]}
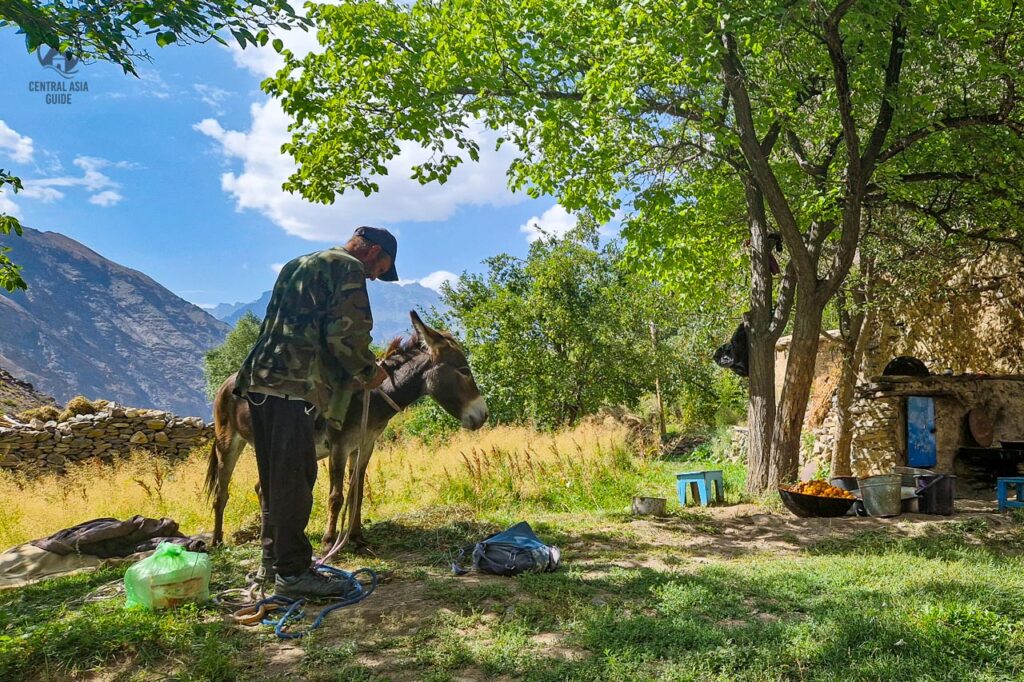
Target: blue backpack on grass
{"points": [[511, 552]]}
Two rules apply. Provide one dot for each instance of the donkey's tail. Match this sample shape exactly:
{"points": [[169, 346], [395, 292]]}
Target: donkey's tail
{"points": [[212, 471]]}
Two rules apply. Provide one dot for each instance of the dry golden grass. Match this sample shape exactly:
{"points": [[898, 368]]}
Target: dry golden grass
{"points": [[403, 475]]}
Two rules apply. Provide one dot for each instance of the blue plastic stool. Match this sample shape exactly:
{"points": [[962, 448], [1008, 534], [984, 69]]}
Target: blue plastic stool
{"points": [[1002, 492], [702, 480]]}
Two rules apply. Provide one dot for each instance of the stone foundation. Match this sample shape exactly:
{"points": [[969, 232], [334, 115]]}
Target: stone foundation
{"points": [[881, 439], [875, 447], [110, 433]]}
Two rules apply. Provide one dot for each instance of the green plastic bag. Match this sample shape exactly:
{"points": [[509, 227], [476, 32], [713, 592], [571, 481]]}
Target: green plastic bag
{"points": [[171, 576]]}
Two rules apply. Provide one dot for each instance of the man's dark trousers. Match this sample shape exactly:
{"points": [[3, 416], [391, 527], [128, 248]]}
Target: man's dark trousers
{"points": [[286, 457]]}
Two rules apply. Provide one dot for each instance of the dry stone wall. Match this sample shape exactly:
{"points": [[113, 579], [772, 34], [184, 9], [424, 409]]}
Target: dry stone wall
{"points": [[110, 433], [876, 445], [972, 321]]}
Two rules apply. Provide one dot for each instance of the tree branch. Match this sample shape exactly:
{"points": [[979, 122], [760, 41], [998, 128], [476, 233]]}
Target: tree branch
{"points": [[758, 162], [784, 303], [855, 176], [892, 80], [949, 123], [805, 164], [841, 78]]}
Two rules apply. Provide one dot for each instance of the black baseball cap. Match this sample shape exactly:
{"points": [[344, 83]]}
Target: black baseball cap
{"points": [[387, 243]]}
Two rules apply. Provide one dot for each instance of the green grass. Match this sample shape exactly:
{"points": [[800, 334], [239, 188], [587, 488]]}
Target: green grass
{"points": [[941, 601], [604, 480]]}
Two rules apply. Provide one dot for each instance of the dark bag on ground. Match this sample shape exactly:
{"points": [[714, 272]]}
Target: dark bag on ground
{"points": [[109, 537], [511, 552]]}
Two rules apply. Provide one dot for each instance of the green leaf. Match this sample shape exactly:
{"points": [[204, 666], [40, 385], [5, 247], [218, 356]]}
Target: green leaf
{"points": [[166, 38]]}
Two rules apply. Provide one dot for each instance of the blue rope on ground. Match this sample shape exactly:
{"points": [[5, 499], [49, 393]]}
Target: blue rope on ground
{"points": [[294, 613]]}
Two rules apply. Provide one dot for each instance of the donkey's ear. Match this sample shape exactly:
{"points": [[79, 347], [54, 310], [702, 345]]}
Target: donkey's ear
{"points": [[431, 337]]}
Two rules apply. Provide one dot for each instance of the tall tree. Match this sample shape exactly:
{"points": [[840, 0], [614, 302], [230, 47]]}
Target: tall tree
{"points": [[685, 114], [100, 30], [224, 360], [566, 330]]}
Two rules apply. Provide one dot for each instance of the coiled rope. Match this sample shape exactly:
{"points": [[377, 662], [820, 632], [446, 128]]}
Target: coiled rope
{"points": [[260, 611]]}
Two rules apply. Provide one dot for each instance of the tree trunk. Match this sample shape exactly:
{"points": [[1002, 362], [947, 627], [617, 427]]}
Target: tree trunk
{"points": [[841, 465], [760, 344], [657, 382], [760, 410], [857, 328], [803, 352]]}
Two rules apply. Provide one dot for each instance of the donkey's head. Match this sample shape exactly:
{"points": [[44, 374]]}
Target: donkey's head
{"points": [[444, 371]]}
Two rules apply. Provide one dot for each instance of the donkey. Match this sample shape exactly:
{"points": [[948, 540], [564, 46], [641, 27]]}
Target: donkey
{"points": [[429, 363]]}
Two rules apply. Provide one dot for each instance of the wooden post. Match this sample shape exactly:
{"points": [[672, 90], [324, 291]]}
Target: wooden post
{"points": [[657, 383]]}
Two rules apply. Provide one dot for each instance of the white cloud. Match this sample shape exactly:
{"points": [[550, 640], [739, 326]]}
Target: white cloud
{"points": [[212, 96], [106, 198], [206, 306], [435, 279], [276, 267], [7, 206], [555, 221], [16, 147], [102, 188], [149, 84], [265, 61], [257, 186], [92, 178], [44, 194]]}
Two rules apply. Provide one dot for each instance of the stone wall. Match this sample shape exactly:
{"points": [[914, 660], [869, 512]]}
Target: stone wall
{"points": [[111, 432], [1001, 398], [972, 321], [878, 443]]}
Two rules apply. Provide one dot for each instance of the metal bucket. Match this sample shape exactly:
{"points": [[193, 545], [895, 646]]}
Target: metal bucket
{"points": [[649, 506], [908, 475], [881, 494], [935, 494], [848, 483]]}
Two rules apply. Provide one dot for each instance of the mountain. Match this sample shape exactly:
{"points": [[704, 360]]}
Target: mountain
{"points": [[389, 302], [89, 326], [17, 395], [222, 310]]}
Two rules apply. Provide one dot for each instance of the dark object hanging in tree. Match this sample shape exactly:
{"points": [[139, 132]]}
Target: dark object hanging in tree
{"points": [[735, 354], [905, 365]]}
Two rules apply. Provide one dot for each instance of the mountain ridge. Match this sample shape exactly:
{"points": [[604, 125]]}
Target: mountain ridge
{"points": [[390, 304], [90, 326]]}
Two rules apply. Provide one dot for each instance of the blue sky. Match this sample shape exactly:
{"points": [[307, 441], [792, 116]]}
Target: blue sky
{"points": [[178, 173]]}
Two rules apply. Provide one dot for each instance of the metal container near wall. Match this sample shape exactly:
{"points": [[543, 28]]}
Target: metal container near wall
{"points": [[881, 494]]}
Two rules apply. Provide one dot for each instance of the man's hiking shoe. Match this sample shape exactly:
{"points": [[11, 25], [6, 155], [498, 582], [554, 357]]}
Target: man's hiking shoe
{"points": [[311, 585]]}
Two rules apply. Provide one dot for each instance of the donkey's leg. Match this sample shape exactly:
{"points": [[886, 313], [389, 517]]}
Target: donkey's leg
{"points": [[228, 451], [336, 498], [357, 516]]}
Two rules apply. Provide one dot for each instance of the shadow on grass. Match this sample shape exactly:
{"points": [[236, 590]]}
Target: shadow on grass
{"points": [[819, 618], [56, 630], [970, 539]]}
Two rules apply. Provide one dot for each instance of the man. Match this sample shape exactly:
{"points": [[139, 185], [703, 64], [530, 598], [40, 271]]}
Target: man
{"points": [[312, 352]]}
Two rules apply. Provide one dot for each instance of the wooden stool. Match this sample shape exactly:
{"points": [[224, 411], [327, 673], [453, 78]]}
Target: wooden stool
{"points": [[1003, 489], [702, 481]]}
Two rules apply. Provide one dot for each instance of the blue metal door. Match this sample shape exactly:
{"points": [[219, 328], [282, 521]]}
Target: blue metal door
{"points": [[920, 431]]}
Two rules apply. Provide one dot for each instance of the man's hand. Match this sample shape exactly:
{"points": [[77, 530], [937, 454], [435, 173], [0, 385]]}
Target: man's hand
{"points": [[377, 379]]}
